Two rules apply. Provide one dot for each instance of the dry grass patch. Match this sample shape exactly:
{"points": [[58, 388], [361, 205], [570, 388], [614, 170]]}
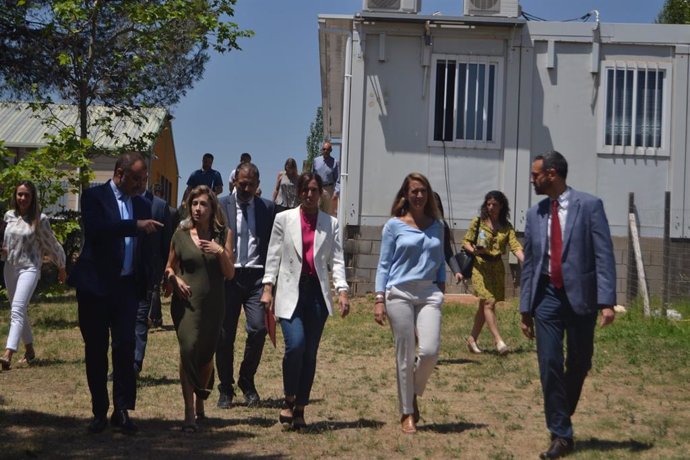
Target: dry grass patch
{"points": [[635, 402]]}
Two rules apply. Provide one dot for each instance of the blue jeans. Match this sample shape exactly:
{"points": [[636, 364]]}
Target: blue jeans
{"points": [[302, 334], [561, 379]]}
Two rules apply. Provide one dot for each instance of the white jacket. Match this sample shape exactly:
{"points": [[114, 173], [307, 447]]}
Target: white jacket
{"points": [[284, 259]]}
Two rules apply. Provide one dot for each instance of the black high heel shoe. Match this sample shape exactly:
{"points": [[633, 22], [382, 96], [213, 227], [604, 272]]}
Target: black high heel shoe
{"points": [[298, 422], [287, 405]]}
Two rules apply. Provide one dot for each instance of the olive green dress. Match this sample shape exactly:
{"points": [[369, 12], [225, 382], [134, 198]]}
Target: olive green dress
{"points": [[199, 318], [488, 276]]}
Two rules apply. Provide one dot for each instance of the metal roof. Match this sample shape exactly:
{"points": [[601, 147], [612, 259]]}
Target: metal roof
{"points": [[23, 127]]}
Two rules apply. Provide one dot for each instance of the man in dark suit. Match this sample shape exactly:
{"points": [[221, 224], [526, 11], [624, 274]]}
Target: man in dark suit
{"points": [[250, 218], [158, 244], [568, 276], [110, 278]]}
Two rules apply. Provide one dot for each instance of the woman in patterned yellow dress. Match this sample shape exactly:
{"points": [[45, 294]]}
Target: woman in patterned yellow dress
{"points": [[488, 273]]}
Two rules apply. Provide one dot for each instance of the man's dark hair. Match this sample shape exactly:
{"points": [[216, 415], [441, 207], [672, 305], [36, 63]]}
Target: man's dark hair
{"points": [[245, 158], [127, 160], [207, 155], [555, 160], [249, 168]]}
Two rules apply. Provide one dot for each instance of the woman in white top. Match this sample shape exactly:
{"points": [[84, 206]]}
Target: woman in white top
{"points": [[28, 237]]}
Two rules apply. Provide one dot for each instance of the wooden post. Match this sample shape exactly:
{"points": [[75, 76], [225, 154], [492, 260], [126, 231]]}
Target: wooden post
{"points": [[641, 279], [632, 285], [668, 270]]}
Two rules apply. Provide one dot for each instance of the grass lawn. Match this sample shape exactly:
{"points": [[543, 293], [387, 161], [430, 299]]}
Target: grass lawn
{"points": [[635, 404]]}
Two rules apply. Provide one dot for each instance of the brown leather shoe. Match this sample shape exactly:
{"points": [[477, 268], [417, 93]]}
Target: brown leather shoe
{"points": [[407, 424]]}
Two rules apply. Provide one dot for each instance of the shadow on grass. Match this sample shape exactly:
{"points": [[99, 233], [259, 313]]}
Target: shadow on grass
{"points": [[604, 445], [457, 427], [218, 422], [445, 362], [148, 381], [329, 425], [272, 403], [34, 434], [47, 362]]}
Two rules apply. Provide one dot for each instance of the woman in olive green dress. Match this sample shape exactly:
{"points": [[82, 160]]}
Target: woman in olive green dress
{"points": [[488, 273], [199, 261]]}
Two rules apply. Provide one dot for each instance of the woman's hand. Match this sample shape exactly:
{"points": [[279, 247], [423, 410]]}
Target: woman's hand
{"points": [[210, 247], [183, 289], [458, 278], [62, 275], [267, 298], [344, 304], [380, 313]]}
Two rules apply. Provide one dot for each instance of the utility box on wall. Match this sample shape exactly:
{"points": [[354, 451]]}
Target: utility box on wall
{"points": [[502, 8]]}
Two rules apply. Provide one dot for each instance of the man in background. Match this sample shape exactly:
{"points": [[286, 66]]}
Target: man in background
{"points": [[205, 176], [328, 169]]}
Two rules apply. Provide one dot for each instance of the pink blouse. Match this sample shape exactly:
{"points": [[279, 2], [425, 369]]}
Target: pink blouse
{"points": [[308, 230]]}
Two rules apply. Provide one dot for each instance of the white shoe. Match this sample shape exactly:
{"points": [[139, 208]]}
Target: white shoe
{"points": [[502, 348], [472, 346]]}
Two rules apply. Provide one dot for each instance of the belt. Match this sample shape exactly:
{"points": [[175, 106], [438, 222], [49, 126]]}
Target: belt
{"points": [[308, 279], [490, 258]]}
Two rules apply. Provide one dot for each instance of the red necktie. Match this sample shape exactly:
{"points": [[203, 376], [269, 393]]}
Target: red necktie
{"points": [[556, 247]]}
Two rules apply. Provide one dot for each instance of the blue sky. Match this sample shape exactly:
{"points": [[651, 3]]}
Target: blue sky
{"points": [[262, 99]]}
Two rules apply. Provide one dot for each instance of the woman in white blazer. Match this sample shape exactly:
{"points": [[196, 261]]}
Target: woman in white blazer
{"points": [[304, 243]]}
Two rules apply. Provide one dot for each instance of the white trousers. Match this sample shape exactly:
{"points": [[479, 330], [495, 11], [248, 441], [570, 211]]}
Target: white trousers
{"points": [[21, 283], [412, 307]]}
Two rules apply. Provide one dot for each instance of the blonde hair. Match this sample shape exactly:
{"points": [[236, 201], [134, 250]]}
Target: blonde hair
{"points": [[401, 206], [217, 217]]}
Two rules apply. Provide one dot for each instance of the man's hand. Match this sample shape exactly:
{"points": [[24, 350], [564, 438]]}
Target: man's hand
{"points": [[527, 325], [607, 316], [149, 225]]}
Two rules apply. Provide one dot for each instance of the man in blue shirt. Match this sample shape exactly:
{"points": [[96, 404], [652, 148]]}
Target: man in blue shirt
{"points": [[328, 169], [205, 176]]}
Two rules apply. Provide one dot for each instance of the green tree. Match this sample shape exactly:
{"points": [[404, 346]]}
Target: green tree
{"points": [[121, 54], [314, 139], [674, 12]]}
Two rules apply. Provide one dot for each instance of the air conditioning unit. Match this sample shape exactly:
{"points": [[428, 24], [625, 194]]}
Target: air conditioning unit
{"points": [[503, 8], [393, 6]]}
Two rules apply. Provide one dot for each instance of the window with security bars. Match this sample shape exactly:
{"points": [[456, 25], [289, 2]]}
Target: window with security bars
{"points": [[634, 115], [465, 101]]}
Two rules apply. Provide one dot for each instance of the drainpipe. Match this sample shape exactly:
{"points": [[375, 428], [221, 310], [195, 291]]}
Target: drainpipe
{"points": [[344, 147]]}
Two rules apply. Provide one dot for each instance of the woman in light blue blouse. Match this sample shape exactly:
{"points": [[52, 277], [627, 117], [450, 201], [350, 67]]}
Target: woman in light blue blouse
{"points": [[410, 283]]}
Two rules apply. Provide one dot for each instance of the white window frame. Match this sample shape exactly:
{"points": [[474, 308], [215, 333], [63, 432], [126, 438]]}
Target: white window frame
{"points": [[497, 108], [632, 149]]}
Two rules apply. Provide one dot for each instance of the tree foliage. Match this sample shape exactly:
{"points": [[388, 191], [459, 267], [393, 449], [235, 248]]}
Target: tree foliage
{"points": [[123, 55], [674, 12], [314, 139]]}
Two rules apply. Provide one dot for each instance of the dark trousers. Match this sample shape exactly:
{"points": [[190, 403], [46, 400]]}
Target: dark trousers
{"points": [[99, 318], [156, 313], [561, 380], [244, 290], [302, 334]]}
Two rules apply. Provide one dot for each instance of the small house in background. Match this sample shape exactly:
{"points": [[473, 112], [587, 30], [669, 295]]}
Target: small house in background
{"points": [[470, 100], [23, 129]]}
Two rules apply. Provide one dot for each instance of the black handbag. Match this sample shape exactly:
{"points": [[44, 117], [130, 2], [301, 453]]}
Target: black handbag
{"points": [[464, 259]]}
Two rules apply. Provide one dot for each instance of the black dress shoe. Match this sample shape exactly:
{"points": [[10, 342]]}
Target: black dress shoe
{"points": [[560, 447], [225, 400], [98, 424], [251, 396], [120, 419]]}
